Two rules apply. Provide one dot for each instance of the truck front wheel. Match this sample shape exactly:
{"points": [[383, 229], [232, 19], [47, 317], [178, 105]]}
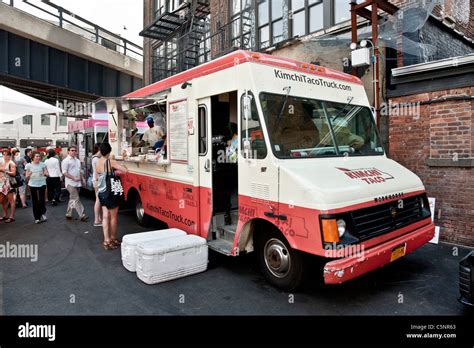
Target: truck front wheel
{"points": [[281, 265]]}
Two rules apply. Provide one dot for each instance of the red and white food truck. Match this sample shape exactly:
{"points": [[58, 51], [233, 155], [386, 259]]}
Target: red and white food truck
{"points": [[275, 156]]}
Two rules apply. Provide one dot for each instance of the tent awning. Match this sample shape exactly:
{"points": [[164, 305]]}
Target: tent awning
{"points": [[14, 105]]}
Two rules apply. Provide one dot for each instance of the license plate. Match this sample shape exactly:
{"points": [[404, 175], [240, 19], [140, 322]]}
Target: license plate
{"points": [[398, 252]]}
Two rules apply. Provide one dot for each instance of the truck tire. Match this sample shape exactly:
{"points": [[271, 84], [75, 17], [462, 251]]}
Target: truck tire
{"points": [[142, 218], [281, 265]]}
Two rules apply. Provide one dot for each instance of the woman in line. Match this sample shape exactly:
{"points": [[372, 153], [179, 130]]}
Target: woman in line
{"points": [[7, 171], [109, 202], [97, 206], [20, 167], [36, 172]]}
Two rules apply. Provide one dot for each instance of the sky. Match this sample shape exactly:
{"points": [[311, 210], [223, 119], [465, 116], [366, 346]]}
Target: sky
{"points": [[112, 15]]}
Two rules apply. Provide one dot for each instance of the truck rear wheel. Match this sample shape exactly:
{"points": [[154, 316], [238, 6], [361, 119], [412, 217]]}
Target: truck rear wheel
{"points": [[142, 218], [281, 265]]}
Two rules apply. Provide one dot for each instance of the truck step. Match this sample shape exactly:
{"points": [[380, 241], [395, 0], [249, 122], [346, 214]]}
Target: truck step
{"points": [[234, 215], [221, 246], [227, 232]]}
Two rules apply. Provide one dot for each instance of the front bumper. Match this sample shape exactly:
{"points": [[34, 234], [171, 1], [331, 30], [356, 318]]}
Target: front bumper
{"points": [[342, 270]]}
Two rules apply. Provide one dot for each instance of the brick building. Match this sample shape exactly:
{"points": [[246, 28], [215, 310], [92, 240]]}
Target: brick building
{"points": [[437, 142]]}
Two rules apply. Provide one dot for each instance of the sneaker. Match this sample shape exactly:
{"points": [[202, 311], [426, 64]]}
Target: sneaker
{"points": [[37, 222], [68, 217], [97, 224], [44, 218], [84, 218]]}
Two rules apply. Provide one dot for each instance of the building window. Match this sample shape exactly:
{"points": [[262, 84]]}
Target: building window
{"points": [[159, 7], [242, 24], [204, 52], [63, 120], [45, 120], [342, 11], [316, 17], [165, 60], [28, 119]]}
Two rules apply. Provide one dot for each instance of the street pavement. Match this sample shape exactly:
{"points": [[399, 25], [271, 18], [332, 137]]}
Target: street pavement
{"points": [[74, 275]]}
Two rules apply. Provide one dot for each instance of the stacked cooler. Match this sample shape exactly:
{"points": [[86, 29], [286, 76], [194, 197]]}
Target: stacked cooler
{"points": [[164, 255]]}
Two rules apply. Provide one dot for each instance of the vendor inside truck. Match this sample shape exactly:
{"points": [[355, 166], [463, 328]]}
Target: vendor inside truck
{"points": [[153, 135]]}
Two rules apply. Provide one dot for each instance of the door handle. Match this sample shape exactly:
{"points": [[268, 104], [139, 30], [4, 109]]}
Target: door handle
{"points": [[207, 165]]}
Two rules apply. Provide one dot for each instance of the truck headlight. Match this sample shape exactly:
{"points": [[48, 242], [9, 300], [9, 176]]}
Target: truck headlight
{"points": [[341, 227]]}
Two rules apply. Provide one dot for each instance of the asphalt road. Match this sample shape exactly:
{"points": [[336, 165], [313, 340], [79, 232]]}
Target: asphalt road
{"points": [[74, 275]]}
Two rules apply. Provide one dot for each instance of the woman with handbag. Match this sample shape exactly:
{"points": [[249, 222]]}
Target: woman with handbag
{"points": [[20, 173], [36, 172], [110, 192], [7, 186]]}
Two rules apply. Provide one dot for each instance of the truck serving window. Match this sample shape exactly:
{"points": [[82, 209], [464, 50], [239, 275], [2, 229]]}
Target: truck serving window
{"points": [[302, 127]]}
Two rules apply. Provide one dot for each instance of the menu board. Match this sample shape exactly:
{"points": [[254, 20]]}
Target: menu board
{"points": [[178, 131]]}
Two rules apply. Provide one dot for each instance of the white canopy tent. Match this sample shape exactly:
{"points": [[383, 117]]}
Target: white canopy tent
{"points": [[14, 105]]}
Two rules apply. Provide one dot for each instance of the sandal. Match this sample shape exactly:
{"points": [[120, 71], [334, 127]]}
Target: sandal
{"points": [[3, 218], [115, 242], [9, 220], [109, 246]]}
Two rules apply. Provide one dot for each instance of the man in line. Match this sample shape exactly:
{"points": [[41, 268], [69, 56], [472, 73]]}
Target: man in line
{"points": [[71, 168]]}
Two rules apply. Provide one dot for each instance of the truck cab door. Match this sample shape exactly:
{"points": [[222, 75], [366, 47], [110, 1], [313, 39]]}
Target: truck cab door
{"points": [[258, 175], [205, 165]]}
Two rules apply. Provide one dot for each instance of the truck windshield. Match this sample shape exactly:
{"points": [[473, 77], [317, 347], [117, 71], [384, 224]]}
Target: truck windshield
{"points": [[315, 128]]}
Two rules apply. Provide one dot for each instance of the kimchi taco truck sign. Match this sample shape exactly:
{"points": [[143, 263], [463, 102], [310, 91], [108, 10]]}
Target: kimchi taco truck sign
{"points": [[367, 175]]}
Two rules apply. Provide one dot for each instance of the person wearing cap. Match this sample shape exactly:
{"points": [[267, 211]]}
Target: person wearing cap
{"points": [[153, 134]]}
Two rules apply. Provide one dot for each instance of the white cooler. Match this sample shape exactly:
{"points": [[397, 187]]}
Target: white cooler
{"points": [[130, 242], [166, 259]]}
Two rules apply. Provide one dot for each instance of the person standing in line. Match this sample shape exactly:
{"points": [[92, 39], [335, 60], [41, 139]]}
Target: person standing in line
{"points": [[36, 172], [7, 171], [108, 202], [53, 182], [97, 207], [20, 167], [71, 167], [27, 157]]}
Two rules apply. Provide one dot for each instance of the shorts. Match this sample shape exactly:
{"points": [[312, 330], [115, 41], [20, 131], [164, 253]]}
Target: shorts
{"points": [[110, 202]]}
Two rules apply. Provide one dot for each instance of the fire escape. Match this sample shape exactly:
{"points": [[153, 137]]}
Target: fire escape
{"points": [[181, 36]]}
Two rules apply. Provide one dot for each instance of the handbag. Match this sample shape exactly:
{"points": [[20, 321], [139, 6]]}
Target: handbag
{"points": [[15, 181], [114, 189]]}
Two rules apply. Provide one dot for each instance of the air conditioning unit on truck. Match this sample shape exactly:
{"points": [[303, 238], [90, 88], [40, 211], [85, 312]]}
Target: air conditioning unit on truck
{"points": [[274, 156]]}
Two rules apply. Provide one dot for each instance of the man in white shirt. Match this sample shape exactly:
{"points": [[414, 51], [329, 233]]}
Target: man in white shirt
{"points": [[71, 167], [152, 134], [53, 181]]}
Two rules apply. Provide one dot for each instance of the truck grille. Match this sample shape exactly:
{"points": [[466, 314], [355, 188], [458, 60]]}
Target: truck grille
{"points": [[373, 221], [465, 281]]}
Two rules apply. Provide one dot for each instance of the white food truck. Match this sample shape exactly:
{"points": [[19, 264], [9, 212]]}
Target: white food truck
{"points": [[275, 156]]}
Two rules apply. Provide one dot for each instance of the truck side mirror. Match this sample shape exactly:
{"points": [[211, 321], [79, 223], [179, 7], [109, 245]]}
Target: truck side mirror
{"points": [[247, 102]]}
